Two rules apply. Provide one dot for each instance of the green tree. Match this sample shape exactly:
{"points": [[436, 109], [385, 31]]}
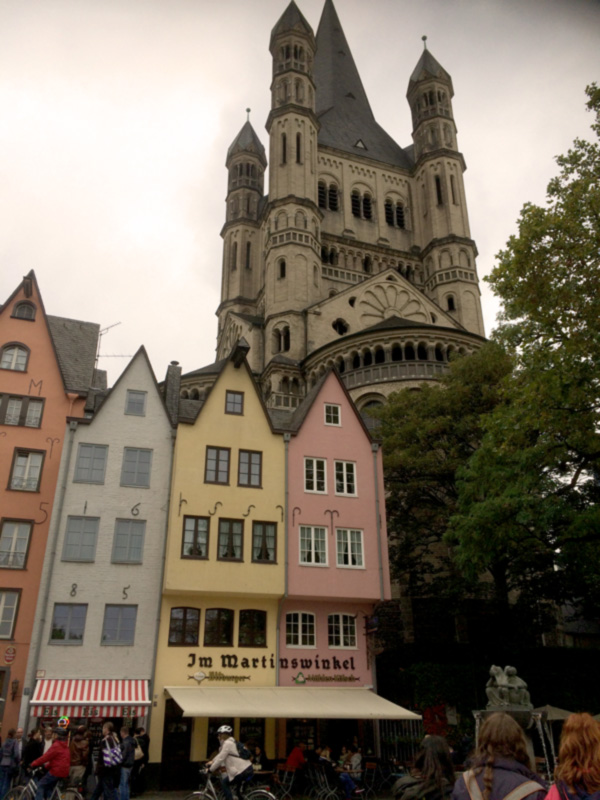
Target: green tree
{"points": [[427, 436], [528, 498]]}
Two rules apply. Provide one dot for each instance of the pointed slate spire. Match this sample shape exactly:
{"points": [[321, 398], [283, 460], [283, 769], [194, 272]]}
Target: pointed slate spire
{"points": [[428, 67], [247, 141], [292, 18], [336, 74], [343, 109]]}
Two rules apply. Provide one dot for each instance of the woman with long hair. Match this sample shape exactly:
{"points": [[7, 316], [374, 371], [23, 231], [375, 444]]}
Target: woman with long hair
{"points": [[578, 772], [433, 776], [501, 765]]}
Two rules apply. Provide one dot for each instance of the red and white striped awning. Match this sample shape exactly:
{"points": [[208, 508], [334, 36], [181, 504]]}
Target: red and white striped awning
{"points": [[90, 698]]}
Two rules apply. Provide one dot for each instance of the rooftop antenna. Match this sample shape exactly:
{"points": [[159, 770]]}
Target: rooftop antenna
{"points": [[248, 110], [424, 38], [100, 335]]}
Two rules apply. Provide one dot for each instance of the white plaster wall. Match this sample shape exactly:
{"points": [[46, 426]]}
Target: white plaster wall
{"points": [[103, 582]]}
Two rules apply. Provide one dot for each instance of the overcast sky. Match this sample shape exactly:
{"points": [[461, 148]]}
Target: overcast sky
{"points": [[116, 115]]}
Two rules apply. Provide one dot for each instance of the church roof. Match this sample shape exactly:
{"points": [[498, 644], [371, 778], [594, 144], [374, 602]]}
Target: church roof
{"points": [[247, 141], [346, 118], [428, 67], [291, 18]]}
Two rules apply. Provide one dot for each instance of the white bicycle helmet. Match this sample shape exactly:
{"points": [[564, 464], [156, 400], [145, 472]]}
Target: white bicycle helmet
{"points": [[225, 729]]}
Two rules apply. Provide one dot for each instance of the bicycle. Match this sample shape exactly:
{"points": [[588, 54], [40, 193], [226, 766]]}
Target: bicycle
{"points": [[27, 792], [209, 792]]}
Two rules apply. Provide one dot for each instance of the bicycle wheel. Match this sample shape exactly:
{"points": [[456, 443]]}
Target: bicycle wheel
{"points": [[199, 795], [71, 794], [260, 794], [16, 793]]}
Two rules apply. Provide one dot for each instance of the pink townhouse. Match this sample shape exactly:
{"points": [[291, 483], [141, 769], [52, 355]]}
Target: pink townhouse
{"points": [[337, 567]]}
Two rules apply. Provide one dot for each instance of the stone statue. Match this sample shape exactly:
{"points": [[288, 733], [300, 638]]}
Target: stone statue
{"points": [[505, 688], [517, 689], [496, 688]]}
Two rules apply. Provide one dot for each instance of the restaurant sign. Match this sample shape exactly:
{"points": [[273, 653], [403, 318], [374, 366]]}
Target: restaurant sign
{"points": [[309, 670]]}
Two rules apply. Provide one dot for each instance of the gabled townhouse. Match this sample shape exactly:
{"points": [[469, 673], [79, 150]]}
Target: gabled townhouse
{"points": [[96, 620], [224, 571], [276, 558], [338, 562], [46, 371]]}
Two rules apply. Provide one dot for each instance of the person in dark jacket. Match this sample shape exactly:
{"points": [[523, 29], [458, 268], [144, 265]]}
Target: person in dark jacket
{"points": [[34, 747], [58, 760], [128, 750], [138, 774], [9, 762], [108, 776], [578, 772], [501, 764], [433, 776]]}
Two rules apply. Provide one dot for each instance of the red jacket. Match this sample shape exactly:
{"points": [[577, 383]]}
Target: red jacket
{"points": [[58, 759]]}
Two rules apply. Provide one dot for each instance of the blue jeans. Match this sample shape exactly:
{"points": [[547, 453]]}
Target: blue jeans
{"points": [[347, 783], [45, 786], [124, 783], [6, 774], [239, 780], [106, 786]]}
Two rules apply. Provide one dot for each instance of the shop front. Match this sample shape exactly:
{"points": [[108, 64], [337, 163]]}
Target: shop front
{"points": [[91, 703], [275, 716]]}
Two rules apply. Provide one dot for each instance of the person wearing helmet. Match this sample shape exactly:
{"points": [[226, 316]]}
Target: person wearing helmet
{"points": [[58, 762], [238, 769]]}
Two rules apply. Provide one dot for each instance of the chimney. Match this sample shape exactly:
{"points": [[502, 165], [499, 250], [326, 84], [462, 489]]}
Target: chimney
{"points": [[172, 389]]}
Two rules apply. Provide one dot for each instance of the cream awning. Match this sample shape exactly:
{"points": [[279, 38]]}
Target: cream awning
{"points": [[286, 701]]}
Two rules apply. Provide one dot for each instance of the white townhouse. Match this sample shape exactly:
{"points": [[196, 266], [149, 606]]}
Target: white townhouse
{"points": [[92, 654]]}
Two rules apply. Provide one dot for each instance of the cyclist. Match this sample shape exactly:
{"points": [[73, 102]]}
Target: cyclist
{"points": [[239, 770], [58, 760]]}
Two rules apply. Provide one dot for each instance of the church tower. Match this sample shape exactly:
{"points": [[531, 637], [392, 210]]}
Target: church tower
{"points": [[448, 251], [242, 273], [360, 255], [292, 219]]}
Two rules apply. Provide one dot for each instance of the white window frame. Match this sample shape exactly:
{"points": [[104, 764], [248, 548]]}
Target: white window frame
{"points": [[343, 539], [345, 469], [14, 357], [128, 529], [30, 466], [311, 530], [303, 643], [8, 612], [74, 538], [118, 642], [10, 554], [340, 620], [94, 456], [331, 407], [132, 400], [313, 461], [137, 483]]}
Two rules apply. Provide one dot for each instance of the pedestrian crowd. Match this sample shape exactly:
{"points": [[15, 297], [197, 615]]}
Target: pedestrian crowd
{"points": [[501, 768], [115, 766]]}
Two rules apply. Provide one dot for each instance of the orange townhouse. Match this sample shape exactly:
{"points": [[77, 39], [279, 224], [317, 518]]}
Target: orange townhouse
{"points": [[46, 373]]}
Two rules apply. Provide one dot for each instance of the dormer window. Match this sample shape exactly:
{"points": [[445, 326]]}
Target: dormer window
{"points": [[24, 311], [15, 357]]}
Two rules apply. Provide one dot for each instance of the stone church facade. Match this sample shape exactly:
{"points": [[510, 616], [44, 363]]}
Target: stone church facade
{"points": [[358, 253]]}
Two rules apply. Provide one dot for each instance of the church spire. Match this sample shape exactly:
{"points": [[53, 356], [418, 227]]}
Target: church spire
{"points": [[344, 112]]}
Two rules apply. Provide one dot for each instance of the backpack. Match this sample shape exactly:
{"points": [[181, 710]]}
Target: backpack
{"points": [[243, 751]]}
